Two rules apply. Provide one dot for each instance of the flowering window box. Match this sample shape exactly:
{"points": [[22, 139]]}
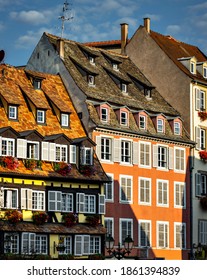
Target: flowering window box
{"points": [[69, 219], [9, 162], [203, 155], [62, 168], [13, 216], [39, 218], [87, 170], [202, 115]]}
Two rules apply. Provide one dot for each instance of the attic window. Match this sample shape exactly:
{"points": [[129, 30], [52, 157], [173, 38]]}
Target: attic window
{"points": [[124, 118], [65, 120], [205, 72], [37, 83], [104, 114], [177, 128], [160, 125], [86, 156], [12, 112], [91, 80], [115, 66], [40, 116], [142, 122], [91, 60], [147, 92], [192, 67], [124, 87]]}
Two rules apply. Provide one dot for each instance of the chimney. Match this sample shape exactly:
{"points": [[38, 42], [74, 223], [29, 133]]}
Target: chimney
{"points": [[147, 24], [124, 37], [60, 47]]}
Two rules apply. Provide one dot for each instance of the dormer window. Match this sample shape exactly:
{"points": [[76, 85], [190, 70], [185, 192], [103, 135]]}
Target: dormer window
{"points": [[124, 87], [104, 114], [115, 66], [91, 80], [65, 120], [32, 150], [160, 125], [177, 128], [12, 112], [37, 83], [124, 118], [205, 72], [40, 116], [86, 156], [91, 60], [7, 147], [61, 153], [142, 122], [192, 67], [147, 93]]}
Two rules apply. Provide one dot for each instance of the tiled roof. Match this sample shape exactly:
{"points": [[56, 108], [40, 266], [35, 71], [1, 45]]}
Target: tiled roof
{"points": [[176, 49]]}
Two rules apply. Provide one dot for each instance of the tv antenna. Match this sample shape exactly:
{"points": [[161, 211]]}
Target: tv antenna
{"points": [[64, 17]]}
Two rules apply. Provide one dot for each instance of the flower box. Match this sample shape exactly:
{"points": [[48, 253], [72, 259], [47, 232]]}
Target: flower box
{"points": [[69, 219], [9, 162], [13, 216], [202, 115], [39, 218], [93, 220], [32, 164], [87, 170], [203, 155], [62, 168]]}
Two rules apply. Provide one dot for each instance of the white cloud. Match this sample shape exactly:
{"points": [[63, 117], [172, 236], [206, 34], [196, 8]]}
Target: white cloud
{"points": [[32, 17], [173, 29], [152, 17]]}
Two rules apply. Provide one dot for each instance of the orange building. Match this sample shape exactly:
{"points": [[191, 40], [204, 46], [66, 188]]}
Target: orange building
{"points": [[140, 141]]}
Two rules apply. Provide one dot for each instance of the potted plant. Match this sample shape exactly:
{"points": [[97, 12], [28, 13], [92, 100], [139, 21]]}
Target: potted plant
{"points": [[202, 115], [69, 219], [93, 220], [13, 216], [203, 155], [39, 218]]}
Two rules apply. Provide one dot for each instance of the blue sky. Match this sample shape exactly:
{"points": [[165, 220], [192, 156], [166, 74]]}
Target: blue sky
{"points": [[23, 22]]}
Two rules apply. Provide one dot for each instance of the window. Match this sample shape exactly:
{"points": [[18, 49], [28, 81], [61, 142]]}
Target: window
{"points": [[144, 233], [106, 149], [144, 154], [12, 112], [61, 153], [162, 193], [200, 99], [126, 151], [115, 66], [205, 72], [202, 231], [200, 138], [91, 59], [179, 159], [87, 245], [160, 125], [126, 229], [200, 182], [148, 93], [109, 225], [126, 189], [142, 122], [32, 199], [7, 147], [32, 150], [59, 201], [66, 241], [85, 203], [65, 120], [162, 234], [91, 80], [179, 195], [177, 128], [124, 118], [11, 243], [145, 191], [37, 84], [109, 189], [180, 235], [40, 116], [86, 156], [162, 156], [8, 198], [104, 114], [73, 154], [34, 243], [124, 88], [192, 67]]}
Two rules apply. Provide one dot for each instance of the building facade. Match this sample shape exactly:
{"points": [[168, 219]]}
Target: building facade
{"points": [[52, 201]]}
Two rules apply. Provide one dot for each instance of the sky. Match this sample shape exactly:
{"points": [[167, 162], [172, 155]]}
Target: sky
{"points": [[23, 22]]}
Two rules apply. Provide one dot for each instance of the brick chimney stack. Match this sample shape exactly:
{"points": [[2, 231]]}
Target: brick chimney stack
{"points": [[124, 37], [147, 24]]}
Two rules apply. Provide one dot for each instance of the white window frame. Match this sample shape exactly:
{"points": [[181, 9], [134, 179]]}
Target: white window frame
{"points": [[145, 187], [142, 122], [12, 112], [106, 149], [64, 120], [202, 232], [160, 125], [62, 154], [200, 99], [179, 235], [12, 246], [104, 114], [86, 155], [40, 116], [123, 233], [162, 187], [192, 67], [55, 202], [124, 118], [164, 233], [123, 87], [38, 201], [9, 198], [109, 188], [177, 128], [200, 184], [67, 243], [125, 189], [91, 80], [86, 245], [180, 195], [30, 146], [85, 203], [145, 154], [126, 151], [205, 72], [10, 146], [179, 159], [33, 242], [73, 154], [67, 202], [109, 225], [144, 228]]}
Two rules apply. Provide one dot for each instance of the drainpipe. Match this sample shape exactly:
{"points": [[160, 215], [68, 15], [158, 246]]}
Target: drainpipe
{"points": [[124, 37]]}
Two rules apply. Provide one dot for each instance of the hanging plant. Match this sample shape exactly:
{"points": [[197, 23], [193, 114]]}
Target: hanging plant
{"points": [[13, 216], [202, 115], [62, 168], [39, 218], [69, 219]]}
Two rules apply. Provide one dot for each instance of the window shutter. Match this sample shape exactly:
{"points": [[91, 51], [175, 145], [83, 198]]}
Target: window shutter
{"points": [[0, 145], [198, 184], [21, 148], [197, 136], [45, 150], [98, 147], [101, 204], [155, 156], [72, 153], [23, 199], [197, 97], [135, 152], [171, 158], [29, 199], [91, 155], [80, 198], [78, 245], [117, 150], [1, 198], [52, 156], [86, 244]]}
